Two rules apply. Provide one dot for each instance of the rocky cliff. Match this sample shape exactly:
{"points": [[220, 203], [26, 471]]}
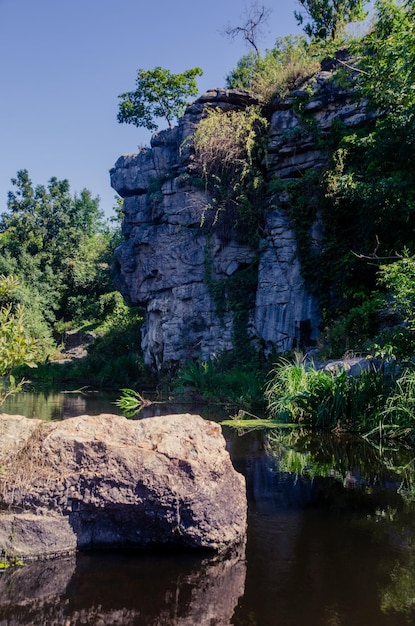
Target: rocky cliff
{"points": [[162, 265]]}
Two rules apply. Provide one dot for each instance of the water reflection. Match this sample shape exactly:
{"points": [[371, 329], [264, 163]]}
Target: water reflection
{"points": [[57, 405], [331, 542], [124, 590], [329, 535]]}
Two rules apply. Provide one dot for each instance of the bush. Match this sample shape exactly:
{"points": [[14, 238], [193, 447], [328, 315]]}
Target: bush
{"points": [[282, 68], [211, 381]]}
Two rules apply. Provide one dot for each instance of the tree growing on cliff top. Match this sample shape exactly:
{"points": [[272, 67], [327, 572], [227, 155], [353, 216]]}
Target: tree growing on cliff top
{"points": [[329, 17], [158, 94]]}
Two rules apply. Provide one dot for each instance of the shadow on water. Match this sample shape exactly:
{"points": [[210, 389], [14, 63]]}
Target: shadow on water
{"points": [[331, 542]]}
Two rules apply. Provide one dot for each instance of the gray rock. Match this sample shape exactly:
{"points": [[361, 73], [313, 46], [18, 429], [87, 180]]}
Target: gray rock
{"points": [[162, 266], [105, 481]]}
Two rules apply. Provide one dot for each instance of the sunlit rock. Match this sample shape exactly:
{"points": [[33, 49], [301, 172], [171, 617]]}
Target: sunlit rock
{"points": [[105, 481], [168, 263]]}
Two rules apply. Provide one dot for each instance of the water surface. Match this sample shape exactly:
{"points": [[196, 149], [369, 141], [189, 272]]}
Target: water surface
{"points": [[331, 542]]}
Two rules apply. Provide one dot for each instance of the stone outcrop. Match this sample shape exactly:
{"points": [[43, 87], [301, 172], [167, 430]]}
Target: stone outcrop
{"points": [[162, 264], [105, 481]]}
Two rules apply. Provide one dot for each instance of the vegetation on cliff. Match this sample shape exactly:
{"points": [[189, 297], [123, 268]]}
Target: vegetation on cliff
{"points": [[364, 196], [364, 199], [59, 247]]}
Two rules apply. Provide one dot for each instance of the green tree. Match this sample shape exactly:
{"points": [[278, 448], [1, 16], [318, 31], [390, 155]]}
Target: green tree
{"points": [[388, 63], [57, 244], [399, 279], [329, 17], [158, 94], [16, 344], [366, 196]]}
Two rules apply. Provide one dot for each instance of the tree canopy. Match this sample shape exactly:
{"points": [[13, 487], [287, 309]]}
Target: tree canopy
{"points": [[158, 94], [329, 17], [57, 246]]}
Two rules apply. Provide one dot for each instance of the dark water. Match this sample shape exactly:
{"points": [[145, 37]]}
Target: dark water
{"points": [[331, 542]]}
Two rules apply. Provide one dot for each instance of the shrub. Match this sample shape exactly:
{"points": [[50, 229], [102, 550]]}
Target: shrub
{"points": [[214, 381], [229, 150], [282, 68]]}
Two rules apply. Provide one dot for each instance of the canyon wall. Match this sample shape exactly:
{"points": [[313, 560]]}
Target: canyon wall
{"points": [[170, 237]]}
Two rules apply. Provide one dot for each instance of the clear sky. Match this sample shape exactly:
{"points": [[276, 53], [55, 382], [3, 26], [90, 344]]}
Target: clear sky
{"points": [[64, 62]]}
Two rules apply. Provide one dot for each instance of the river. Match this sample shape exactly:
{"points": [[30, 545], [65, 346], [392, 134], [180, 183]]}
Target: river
{"points": [[331, 542]]}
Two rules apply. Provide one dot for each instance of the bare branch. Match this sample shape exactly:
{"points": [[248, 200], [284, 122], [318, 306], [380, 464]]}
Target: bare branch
{"points": [[255, 17], [374, 255]]}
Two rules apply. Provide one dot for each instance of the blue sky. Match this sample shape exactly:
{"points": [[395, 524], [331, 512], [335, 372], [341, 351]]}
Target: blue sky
{"points": [[64, 62]]}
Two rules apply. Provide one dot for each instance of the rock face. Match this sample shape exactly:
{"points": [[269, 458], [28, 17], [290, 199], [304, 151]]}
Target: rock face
{"points": [[162, 264], [105, 481]]}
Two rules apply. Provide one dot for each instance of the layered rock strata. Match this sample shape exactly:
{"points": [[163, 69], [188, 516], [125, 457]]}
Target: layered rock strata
{"points": [[162, 264]]}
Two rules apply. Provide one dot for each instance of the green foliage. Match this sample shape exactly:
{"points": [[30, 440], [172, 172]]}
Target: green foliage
{"points": [[235, 294], [242, 75], [213, 380], [130, 401], [297, 392], [60, 249], [387, 63], [398, 413], [329, 17], [282, 68], [355, 330], [229, 148], [115, 358], [16, 344], [158, 94], [365, 197], [9, 387], [399, 280]]}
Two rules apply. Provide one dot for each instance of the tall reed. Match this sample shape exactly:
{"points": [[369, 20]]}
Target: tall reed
{"points": [[298, 392]]}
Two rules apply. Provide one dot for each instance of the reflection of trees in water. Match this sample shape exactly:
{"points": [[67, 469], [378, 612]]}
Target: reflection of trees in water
{"points": [[43, 405], [353, 460], [328, 529], [51, 405]]}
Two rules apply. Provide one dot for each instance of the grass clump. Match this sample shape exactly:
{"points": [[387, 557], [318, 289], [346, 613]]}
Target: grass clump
{"points": [[298, 392]]}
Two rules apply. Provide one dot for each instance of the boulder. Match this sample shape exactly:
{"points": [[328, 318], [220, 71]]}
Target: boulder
{"points": [[107, 482]]}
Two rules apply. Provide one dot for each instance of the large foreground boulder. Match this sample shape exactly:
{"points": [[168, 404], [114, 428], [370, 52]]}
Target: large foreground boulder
{"points": [[105, 481]]}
